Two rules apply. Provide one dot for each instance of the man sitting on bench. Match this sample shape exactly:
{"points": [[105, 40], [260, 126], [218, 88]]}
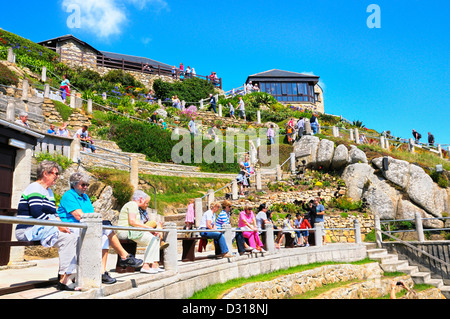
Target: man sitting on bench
{"points": [[74, 204], [38, 202]]}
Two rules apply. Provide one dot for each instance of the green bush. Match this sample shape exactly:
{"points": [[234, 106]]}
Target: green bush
{"points": [[140, 137], [62, 161], [64, 110], [189, 90]]}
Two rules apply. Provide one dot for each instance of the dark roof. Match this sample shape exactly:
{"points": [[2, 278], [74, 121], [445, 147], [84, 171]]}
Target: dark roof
{"points": [[136, 59], [52, 42], [281, 76]]}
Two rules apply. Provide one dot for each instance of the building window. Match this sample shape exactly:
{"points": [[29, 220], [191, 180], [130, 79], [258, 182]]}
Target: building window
{"points": [[290, 91]]}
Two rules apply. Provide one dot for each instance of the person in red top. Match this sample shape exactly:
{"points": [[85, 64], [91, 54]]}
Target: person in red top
{"points": [[304, 224]]}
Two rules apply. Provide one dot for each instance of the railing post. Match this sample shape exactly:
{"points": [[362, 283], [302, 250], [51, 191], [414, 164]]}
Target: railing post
{"points": [[279, 172], [89, 106], [318, 233], [439, 149], [170, 253], [411, 145], [357, 226], [134, 173], [11, 56], [73, 99], [293, 163], [258, 116], [198, 205], [335, 131], [10, 111], [90, 252], [234, 189], [25, 86], [44, 74], [75, 148], [228, 234], [356, 136], [258, 179], [378, 238], [210, 197], [419, 228], [350, 135], [382, 142], [46, 91], [220, 110], [270, 239]]}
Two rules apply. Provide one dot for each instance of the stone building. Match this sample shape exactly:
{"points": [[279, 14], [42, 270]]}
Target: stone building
{"points": [[77, 53], [291, 88]]}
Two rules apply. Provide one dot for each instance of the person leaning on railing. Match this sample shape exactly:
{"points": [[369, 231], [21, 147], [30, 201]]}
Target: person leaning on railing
{"points": [[74, 204], [38, 201]]}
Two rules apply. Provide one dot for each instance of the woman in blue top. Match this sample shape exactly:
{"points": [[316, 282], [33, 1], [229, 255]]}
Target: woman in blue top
{"points": [[74, 204]]}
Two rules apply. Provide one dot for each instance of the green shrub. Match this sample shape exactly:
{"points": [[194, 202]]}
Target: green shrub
{"points": [[140, 137], [64, 110], [189, 90], [62, 161]]}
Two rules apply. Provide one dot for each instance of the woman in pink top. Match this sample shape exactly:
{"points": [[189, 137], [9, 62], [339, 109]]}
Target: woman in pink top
{"points": [[247, 222]]}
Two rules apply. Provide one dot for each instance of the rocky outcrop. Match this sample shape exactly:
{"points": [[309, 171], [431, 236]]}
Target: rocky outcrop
{"points": [[396, 193]]}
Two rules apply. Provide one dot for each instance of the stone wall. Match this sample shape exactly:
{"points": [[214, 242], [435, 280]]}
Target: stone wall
{"points": [[298, 283], [347, 236], [74, 55], [373, 286], [195, 276]]}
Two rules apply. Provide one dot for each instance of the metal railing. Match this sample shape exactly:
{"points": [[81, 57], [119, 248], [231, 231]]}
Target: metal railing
{"points": [[419, 256]]}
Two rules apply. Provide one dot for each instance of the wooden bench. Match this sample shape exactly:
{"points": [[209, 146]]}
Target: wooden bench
{"points": [[188, 252]]}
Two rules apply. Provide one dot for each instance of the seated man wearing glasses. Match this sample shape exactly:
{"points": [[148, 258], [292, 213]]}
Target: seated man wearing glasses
{"points": [[74, 204]]}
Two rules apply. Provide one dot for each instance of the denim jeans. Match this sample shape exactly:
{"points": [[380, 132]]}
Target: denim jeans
{"points": [[218, 239]]}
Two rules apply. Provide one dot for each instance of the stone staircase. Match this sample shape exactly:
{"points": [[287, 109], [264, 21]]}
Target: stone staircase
{"points": [[391, 263], [109, 151]]}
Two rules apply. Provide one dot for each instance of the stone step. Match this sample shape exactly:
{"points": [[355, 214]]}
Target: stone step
{"points": [[421, 277], [410, 270], [376, 252], [392, 266]]}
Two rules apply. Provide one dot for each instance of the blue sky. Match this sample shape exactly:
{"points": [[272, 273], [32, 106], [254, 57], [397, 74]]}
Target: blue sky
{"points": [[392, 78]]}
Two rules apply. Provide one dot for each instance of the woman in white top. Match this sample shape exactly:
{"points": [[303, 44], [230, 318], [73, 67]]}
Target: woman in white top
{"points": [[208, 222]]}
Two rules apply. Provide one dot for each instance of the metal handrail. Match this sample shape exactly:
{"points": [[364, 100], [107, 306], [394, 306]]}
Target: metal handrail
{"points": [[413, 247]]}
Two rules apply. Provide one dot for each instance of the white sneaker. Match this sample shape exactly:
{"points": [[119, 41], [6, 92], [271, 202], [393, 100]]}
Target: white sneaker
{"points": [[160, 270], [255, 251], [262, 250], [149, 271]]}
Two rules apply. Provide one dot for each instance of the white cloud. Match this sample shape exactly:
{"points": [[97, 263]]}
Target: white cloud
{"points": [[321, 83], [108, 17]]}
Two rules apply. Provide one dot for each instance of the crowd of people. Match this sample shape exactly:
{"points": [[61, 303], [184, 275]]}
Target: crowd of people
{"points": [[38, 201], [250, 236]]}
